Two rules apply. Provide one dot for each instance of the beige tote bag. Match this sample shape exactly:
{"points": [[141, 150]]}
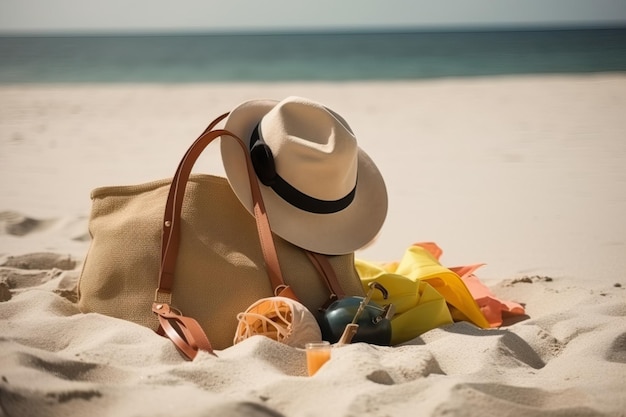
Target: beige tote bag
{"points": [[186, 251]]}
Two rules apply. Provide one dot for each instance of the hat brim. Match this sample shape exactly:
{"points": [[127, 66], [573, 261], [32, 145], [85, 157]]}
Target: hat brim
{"points": [[332, 234]]}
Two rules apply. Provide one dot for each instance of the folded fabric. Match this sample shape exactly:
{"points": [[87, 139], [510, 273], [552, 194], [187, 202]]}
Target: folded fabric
{"points": [[491, 306], [419, 263], [427, 294], [419, 307]]}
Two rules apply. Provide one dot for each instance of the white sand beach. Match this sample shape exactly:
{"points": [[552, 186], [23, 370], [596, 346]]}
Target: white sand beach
{"points": [[524, 174]]}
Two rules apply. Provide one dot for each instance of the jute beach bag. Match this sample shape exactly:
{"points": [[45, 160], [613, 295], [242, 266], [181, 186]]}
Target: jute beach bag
{"points": [[184, 257]]}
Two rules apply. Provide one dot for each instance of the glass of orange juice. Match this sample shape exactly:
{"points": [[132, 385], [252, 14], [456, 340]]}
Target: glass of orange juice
{"points": [[317, 354]]}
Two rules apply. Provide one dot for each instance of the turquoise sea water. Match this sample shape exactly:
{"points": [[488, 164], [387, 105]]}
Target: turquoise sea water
{"points": [[304, 57]]}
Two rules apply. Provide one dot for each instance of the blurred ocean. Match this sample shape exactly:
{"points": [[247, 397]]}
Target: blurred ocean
{"points": [[305, 57]]}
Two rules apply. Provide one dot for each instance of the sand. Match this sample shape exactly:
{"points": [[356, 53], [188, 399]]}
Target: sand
{"points": [[525, 174]]}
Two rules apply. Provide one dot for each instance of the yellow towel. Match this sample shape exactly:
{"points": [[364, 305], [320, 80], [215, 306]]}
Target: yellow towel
{"points": [[421, 290]]}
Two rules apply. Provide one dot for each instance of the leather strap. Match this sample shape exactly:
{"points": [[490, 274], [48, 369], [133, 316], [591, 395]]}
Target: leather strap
{"points": [[168, 207], [327, 272], [173, 323], [173, 209], [193, 340]]}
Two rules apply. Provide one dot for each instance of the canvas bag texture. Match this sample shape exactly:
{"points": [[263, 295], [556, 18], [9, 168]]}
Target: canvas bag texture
{"points": [[220, 267]]}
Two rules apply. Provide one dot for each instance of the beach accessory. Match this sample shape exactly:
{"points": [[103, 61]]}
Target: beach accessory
{"points": [[421, 262], [357, 319], [323, 192], [282, 319], [192, 241], [493, 308], [425, 293]]}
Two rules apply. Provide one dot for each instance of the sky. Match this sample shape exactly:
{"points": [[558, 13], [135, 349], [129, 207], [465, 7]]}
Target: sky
{"points": [[165, 16]]}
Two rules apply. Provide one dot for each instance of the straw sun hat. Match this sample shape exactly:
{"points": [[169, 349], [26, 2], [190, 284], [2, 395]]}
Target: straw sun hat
{"points": [[321, 191]]}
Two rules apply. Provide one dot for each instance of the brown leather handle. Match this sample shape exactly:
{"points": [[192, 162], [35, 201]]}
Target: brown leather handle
{"points": [[187, 334], [193, 337], [173, 209], [169, 207], [326, 271]]}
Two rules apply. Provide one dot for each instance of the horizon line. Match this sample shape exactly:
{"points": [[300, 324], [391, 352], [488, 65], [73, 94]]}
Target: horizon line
{"points": [[347, 30]]}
